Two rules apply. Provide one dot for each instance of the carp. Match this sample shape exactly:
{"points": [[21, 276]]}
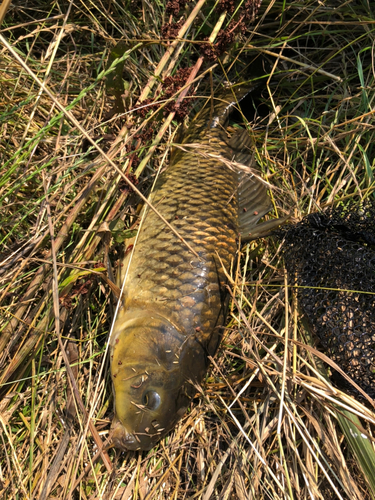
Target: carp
{"points": [[174, 301]]}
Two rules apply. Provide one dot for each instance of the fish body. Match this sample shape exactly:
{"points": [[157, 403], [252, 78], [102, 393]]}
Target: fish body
{"points": [[175, 300]]}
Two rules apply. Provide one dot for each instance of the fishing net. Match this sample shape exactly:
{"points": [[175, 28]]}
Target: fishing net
{"points": [[332, 256]]}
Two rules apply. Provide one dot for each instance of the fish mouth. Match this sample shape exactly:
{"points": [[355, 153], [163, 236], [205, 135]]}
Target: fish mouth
{"points": [[124, 440]]}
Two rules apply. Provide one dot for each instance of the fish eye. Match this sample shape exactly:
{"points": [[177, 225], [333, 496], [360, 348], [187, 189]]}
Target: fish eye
{"points": [[151, 399]]}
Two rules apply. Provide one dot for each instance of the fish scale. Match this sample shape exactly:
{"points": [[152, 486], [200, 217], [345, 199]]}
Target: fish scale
{"points": [[202, 208], [174, 301]]}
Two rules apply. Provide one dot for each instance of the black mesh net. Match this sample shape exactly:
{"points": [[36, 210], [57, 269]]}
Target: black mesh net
{"points": [[333, 255]]}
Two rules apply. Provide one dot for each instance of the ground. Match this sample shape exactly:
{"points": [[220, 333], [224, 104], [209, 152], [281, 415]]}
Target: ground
{"points": [[266, 423]]}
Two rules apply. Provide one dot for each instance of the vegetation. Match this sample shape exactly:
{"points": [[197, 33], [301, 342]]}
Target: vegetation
{"points": [[85, 123]]}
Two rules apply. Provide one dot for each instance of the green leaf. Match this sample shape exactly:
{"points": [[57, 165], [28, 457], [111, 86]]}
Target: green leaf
{"points": [[77, 275], [368, 167], [360, 445]]}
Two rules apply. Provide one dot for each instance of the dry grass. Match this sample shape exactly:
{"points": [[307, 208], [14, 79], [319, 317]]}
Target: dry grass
{"points": [[264, 424]]}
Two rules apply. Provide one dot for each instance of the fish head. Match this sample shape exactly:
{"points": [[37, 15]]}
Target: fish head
{"points": [[151, 387]]}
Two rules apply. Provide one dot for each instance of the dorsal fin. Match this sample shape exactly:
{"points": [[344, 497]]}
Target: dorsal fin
{"points": [[253, 199]]}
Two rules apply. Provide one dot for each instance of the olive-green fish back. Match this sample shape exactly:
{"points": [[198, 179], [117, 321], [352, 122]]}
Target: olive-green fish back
{"points": [[198, 196], [174, 301]]}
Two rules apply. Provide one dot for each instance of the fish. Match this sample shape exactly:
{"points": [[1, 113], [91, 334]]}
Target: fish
{"points": [[175, 295]]}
